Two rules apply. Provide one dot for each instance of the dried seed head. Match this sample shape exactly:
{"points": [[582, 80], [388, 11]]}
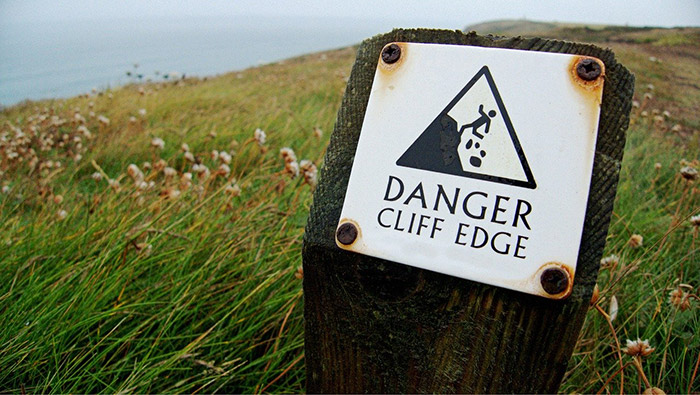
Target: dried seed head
{"points": [[635, 241], [260, 136], [157, 143], [318, 132], [288, 155], [233, 189], [224, 169], [695, 220], [309, 170], [644, 113], [635, 104], [184, 147], [214, 155], [613, 308], [97, 176], [58, 199], [689, 173], [638, 348], [650, 87], [61, 215], [169, 172], [103, 120], [225, 157], [595, 296], [648, 96], [299, 274], [134, 172], [292, 168], [609, 262], [657, 166], [142, 112], [653, 391], [677, 128], [114, 184], [189, 157], [680, 299], [146, 165]]}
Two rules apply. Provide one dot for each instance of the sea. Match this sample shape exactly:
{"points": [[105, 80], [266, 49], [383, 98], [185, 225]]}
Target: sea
{"points": [[62, 59]]}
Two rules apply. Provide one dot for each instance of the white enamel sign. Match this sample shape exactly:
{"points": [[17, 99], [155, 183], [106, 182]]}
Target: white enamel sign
{"points": [[475, 162]]}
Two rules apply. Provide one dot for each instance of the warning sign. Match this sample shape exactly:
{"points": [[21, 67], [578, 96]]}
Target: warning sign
{"points": [[473, 137], [468, 168]]}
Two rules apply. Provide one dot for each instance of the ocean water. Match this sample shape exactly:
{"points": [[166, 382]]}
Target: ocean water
{"points": [[62, 59]]}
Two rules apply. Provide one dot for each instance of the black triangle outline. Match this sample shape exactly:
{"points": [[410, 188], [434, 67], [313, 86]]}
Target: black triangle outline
{"points": [[404, 160]]}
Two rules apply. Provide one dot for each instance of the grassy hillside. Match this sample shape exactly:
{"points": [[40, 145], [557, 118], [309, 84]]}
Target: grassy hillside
{"points": [[183, 274]]}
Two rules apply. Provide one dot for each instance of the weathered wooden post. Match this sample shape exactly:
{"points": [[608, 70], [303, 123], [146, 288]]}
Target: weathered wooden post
{"points": [[461, 253]]}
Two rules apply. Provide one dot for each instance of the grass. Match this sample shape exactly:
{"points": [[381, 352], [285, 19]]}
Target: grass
{"points": [[166, 284]]}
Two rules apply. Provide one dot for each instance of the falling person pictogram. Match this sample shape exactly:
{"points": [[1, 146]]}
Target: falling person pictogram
{"points": [[485, 121]]}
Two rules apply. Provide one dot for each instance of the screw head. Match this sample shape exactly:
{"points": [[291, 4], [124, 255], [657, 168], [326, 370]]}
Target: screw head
{"points": [[554, 280], [391, 53], [346, 233], [588, 69]]}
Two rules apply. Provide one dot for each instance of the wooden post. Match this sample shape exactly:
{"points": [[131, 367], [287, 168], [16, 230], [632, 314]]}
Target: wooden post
{"points": [[377, 326]]}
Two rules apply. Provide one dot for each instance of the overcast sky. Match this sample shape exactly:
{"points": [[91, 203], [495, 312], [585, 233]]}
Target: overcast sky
{"points": [[382, 14]]}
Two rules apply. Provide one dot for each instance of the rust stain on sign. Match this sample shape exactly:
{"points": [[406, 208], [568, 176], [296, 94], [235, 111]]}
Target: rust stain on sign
{"points": [[391, 57], [588, 73]]}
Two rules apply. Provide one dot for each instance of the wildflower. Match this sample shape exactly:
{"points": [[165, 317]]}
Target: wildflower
{"points": [[233, 189], [309, 170], [676, 128], [169, 172], [160, 165], [142, 186], [695, 220], [224, 169], [288, 155], [172, 193], [58, 199], [679, 299], [666, 114], [158, 143], [644, 113], [185, 148], [260, 136], [635, 104], [635, 241], [97, 176], [658, 119], [91, 104], [638, 348], [657, 166], [114, 184], [318, 132], [103, 120], [6, 189], [212, 134], [225, 157], [189, 157], [214, 155], [134, 172], [141, 91], [82, 129], [142, 112], [609, 262], [650, 87], [292, 168], [648, 96], [132, 119], [146, 165], [62, 214], [689, 173]]}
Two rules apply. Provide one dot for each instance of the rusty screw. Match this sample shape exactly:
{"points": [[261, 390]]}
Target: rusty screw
{"points": [[346, 233], [391, 53], [588, 69], [554, 280]]}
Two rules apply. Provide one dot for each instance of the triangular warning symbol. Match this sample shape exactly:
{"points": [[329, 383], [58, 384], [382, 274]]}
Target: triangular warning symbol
{"points": [[472, 137]]}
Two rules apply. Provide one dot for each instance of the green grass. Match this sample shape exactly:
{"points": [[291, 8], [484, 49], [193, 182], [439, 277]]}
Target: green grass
{"points": [[144, 291]]}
